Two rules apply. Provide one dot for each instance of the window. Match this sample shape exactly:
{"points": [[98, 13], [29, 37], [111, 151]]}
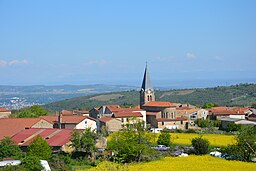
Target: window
{"points": [[85, 122], [162, 123], [148, 98]]}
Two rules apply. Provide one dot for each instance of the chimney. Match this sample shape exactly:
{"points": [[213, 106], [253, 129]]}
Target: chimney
{"points": [[59, 119]]}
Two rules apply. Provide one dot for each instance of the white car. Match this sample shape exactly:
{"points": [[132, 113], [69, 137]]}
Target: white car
{"points": [[215, 153]]}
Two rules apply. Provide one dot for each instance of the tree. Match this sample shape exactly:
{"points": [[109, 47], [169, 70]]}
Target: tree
{"points": [[164, 138], [84, 141], [9, 149], [245, 148], [132, 143], [200, 145], [31, 162], [32, 112], [39, 148], [209, 105]]}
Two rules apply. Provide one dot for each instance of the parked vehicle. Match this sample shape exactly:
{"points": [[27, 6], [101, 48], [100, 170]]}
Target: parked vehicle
{"points": [[156, 130], [4, 163], [216, 154], [161, 148]]}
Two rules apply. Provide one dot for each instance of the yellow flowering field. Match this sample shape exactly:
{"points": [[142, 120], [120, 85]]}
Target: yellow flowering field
{"points": [[190, 163], [214, 139]]}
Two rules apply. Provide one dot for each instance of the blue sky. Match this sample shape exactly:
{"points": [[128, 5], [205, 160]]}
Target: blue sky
{"points": [[97, 42]]}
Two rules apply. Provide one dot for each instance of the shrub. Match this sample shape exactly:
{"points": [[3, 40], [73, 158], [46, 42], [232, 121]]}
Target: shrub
{"points": [[39, 148], [200, 145], [9, 149], [164, 138]]}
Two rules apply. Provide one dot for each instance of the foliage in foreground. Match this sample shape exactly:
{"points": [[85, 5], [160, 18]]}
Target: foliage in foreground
{"points": [[200, 145], [40, 149], [191, 163], [9, 149], [164, 138], [131, 144], [245, 148]]}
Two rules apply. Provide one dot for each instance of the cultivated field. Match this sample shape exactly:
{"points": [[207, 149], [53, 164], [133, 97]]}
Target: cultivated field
{"points": [[215, 139], [190, 163]]}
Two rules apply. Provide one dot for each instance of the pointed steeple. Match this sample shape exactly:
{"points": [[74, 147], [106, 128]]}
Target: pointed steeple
{"points": [[147, 92], [146, 84]]}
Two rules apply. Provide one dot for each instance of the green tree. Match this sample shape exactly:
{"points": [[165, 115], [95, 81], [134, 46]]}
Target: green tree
{"points": [[132, 143], [209, 105], [9, 149], [245, 148], [164, 138], [31, 163], [200, 145], [39, 148], [32, 112], [84, 141]]}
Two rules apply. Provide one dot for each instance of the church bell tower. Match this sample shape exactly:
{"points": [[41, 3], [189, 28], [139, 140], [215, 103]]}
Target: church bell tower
{"points": [[146, 92]]}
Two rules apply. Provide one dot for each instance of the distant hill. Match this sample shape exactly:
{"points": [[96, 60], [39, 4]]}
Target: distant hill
{"points": [[15, 97], [235, 95]]}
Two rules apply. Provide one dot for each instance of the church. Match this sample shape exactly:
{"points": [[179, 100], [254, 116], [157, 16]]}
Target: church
{"points": [[159, 114]]}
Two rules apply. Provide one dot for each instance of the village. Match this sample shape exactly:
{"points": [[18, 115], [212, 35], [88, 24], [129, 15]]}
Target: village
{"points": [[155, 116]]}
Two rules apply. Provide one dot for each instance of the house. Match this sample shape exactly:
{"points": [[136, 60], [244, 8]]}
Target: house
{"points": [[217, 113], [58, 139], [162, 114], [125, 115], [71, 122], [192, 114], [11, 126], [5, 113], [226, 121], [111, 124]]}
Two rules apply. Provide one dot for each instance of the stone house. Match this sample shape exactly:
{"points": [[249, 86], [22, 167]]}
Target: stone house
{"points": [[5, 113], [111, 124]]}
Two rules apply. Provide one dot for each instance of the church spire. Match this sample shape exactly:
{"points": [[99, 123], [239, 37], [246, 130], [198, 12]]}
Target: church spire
{"points": [[146, 84], [147, 92]]}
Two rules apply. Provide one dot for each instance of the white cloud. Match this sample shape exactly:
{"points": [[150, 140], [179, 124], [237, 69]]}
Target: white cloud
{"points": [[190, 55], [4, 63]]}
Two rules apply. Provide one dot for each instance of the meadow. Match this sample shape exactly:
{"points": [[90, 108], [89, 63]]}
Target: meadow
{"points": [[191, 163]]}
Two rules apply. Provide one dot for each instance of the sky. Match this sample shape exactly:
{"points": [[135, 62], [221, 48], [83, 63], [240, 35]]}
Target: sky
{"points": [[109, 42]]}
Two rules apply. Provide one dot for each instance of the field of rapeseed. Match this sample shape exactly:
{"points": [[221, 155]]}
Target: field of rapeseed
{"points": [[191, 163], [214, 139]]}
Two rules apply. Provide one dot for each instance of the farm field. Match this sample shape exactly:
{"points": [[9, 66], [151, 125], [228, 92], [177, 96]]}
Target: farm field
{"points": [[191, 163], [214, 139]]}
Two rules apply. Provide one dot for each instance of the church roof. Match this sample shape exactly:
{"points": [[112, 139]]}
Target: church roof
{"points": [[146, 84]]}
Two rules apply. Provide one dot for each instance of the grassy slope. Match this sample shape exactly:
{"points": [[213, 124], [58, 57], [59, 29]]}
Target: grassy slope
{"points": [[242, 94]]}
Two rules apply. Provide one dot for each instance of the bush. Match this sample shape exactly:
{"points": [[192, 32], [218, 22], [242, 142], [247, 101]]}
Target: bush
{"points": [[233, 127], [39, 148], [207, 123], [30, 162], [200, 145], [9, 149], [164, 138]]}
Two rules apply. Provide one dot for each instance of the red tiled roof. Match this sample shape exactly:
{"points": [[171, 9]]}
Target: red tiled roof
{"points": [[11, 126], [159, 104], [227, 110], [4, 110], [54, 137], [170, 119], [67, 119], [127, 114]]}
